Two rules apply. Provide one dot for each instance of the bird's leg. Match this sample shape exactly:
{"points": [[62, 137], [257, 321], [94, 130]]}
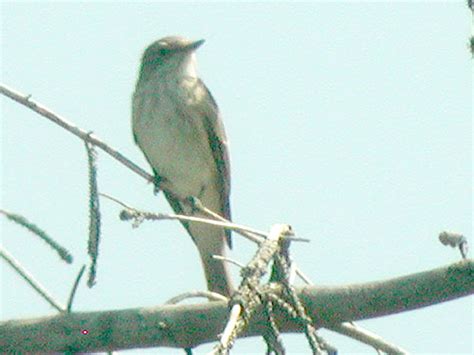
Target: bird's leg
{"points": [[157, 181], [195, 202]]}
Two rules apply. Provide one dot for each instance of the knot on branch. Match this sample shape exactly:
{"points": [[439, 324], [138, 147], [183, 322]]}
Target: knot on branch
{"points": [[252, 295]]}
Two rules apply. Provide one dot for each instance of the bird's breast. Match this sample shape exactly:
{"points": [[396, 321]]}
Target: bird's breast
{"points": [[169, 127]]}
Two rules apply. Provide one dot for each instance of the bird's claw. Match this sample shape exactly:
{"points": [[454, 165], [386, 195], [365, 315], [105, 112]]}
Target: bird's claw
{"points": [[195, 203], [157, 184]]}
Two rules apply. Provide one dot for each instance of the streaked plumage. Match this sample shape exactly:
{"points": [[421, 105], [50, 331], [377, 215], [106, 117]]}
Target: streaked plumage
{"points": [[177, 125]]}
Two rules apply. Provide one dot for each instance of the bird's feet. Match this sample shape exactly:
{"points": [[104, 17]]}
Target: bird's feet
{"points": [[195, 204], [157, 184]]}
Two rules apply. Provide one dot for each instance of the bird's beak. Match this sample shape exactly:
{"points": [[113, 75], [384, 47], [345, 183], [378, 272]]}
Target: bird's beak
{"points": [[194, 45]]}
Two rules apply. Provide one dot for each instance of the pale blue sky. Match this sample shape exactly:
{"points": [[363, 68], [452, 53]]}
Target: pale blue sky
{"points": [[349, 120]]}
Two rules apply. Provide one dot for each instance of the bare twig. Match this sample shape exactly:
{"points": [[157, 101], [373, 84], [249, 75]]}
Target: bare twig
{"points": [[94, 214], [246, 299], [64, 254], [94, 140], [455, 240], [229, 260], [121, 203], [229, 332], [74, 288], [303, 276], [25, 100], [272, 333], [211, 296], [251, 234], [256, 238], [356, 332], [134, 214], [367, 337], [30, 280], [282, 273]]}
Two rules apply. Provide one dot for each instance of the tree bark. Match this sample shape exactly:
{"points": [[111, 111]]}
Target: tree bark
{"points": [[186, 326]]}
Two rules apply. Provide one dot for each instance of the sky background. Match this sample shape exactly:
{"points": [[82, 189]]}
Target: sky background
{"points": [[351, 121]]}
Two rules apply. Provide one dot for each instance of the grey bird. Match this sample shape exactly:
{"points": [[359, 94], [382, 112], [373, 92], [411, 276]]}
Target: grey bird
{"points": [[177, 125]]}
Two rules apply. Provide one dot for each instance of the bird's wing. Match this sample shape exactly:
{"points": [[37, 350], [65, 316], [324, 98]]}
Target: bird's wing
{"points": [[219, 147], [214, 128], [137, 108]]}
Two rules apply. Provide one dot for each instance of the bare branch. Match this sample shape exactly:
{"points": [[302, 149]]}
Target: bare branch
{"points": [[30, 280], [86, 136], [182, 326], [247, 299]]}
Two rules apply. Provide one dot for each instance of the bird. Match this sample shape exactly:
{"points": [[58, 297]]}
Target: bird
{"points": [[178, 126]]}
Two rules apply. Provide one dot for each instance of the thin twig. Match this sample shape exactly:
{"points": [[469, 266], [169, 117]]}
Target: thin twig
{"points": [[366, 337], [30, 280], [272, 334], [211, 296], [25, 100], [64, 254], [455, 240], [229, 260], [74, 288], [227, 335], [133, 214], [251, 234], [303, 276], [354, 331], [94, 140], [94, 214], [256, 238], [246, 299], [110, 197]]}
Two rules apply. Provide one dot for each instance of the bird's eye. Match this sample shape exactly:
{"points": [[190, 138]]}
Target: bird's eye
{"points": [[163, 51]]}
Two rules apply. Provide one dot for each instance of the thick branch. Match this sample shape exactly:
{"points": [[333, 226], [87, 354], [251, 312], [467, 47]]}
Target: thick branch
{"points": [[182, 326]]}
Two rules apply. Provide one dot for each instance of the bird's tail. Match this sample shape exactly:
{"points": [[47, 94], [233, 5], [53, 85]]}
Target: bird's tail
{"points": [[217, 275], [211, 240]]}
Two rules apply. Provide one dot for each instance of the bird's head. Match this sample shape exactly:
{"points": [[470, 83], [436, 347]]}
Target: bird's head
{"points": [[170, 55]]}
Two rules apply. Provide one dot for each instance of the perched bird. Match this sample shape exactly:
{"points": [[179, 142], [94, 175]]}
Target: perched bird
{"points": [[177, 125]]}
